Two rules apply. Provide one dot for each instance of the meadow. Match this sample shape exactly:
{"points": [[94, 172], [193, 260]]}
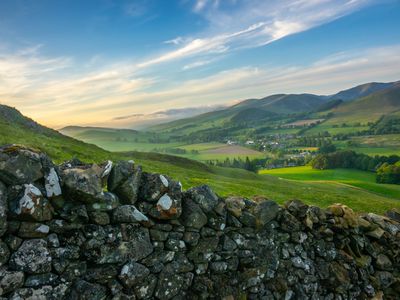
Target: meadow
{"points": [[359, 179]]}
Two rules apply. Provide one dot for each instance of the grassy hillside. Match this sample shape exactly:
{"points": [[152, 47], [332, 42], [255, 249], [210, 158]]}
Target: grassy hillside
{"points": [[224, 181]]}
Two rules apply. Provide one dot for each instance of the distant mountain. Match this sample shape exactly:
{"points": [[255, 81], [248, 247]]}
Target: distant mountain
{"points": [[369, 108], [259, 111], [363, 90]]}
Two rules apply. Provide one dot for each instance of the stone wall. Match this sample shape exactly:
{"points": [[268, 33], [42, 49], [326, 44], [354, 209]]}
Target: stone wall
{"points": [[111, 231]]}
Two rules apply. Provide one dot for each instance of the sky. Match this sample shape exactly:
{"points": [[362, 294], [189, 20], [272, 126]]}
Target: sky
{"points": [[129, 63]]}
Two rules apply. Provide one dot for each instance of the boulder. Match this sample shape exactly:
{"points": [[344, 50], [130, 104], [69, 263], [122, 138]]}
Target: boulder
{"points": [[20, 165], [32, 257], [204, 197], [33, 230], [235, 205], [30, 204], [3, 209], [45, 292], [10, 280], [193, 215], [128, 214], [133, 273], [84, 290], [153, 186], [265, 212], [124, 180], [167, 207], [83, 184], [4, 253]]}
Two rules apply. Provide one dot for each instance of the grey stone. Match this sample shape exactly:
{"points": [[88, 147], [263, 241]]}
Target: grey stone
{"points": [[192, 215], [204, 197], [32, 257], [128, 214], [10, 281], [124, 180], [33, 230], [41, 279], [84, 290], [30, 204], [4, 253], [132, 273], [19, 165], [3, 209], [83, 184], [266, 211]]}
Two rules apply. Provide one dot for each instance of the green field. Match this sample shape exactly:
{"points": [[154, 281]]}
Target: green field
{"points": [[356, 178], [225, 181]]}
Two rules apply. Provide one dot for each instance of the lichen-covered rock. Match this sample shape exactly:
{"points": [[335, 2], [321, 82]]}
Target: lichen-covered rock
{"points": [[4, 253], [133, 273], [169, 285], [52, 183], [19, 165], [265, 212], [153, 186], [32, 257], [10, 280], [192, 214], [235, 205], [105, 201], [124, 180], [29, 204], [84, 290], [128, 214], [83, 184], [3, 209], [33, 230], [168, 207], [41, 280], [44, 292], [204, 197]]}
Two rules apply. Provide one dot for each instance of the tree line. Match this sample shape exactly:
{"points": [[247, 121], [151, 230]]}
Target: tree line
{"points": [[386, 167]]}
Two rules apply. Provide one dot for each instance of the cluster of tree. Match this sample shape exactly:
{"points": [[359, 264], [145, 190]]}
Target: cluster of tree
{"points": [[386, 125], [325, 145], [388, 173], [351, 159], [259, 163], [247, 164]]}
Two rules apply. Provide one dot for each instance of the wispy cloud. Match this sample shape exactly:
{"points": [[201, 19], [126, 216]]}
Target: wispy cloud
{"points": [[253, 23]]}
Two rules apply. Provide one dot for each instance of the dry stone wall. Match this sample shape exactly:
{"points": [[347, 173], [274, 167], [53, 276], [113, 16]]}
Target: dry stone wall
{"points": [[112, 231]]}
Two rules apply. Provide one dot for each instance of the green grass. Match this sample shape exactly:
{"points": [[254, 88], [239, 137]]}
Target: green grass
{"points": [[192, 173], [360, 179]]}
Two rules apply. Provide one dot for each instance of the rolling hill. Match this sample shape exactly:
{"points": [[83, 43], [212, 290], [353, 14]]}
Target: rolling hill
{"points": [[364, 100], [369, 108], [15, 128], [363, 90]]}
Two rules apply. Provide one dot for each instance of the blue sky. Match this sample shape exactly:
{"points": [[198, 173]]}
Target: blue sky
{"points": [[126, 63]]}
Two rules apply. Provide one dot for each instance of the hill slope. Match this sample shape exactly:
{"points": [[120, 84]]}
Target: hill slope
{"points": [[369, 108], [259, 111], [363, 90], [16, 128]]}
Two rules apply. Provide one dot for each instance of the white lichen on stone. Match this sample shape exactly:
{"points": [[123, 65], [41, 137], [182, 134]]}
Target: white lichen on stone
{"points": [[43, 229], [139, 216], [107, 168], [164, 181], [125, 270], [52, 184], [165, 202], [28, 199]]}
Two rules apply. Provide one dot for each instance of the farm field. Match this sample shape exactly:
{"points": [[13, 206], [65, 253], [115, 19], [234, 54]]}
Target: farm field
{"points": [[356, 178]]}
